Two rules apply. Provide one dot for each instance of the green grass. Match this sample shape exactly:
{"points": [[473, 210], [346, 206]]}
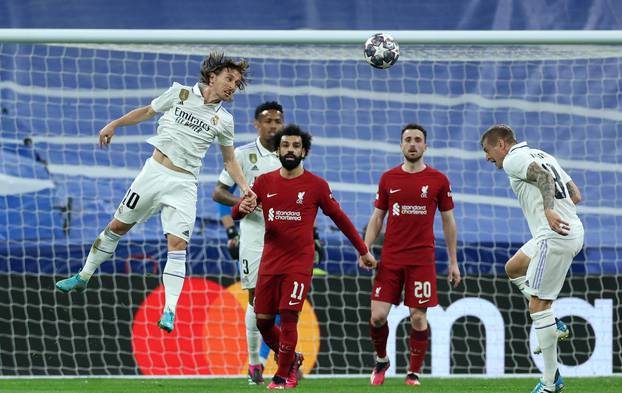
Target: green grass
{"points": [[335, 385]]}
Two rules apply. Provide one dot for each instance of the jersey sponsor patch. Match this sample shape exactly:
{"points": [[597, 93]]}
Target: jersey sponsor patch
{"points": [[183, 96]]}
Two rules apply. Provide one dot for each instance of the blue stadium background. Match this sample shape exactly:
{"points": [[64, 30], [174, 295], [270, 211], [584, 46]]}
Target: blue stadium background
{"points": [[39, 228]]}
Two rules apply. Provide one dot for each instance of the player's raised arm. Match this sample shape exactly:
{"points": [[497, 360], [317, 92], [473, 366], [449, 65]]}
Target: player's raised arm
{"points": [[232, 166], [135, 116]]}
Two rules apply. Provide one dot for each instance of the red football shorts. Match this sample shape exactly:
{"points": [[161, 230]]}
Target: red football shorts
{"points": [[281, 292], [418, 282]]}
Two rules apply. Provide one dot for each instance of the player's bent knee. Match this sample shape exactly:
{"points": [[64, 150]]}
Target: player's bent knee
{"points": [[378, 320], [537, 305], [118, 227], [176, 243]]}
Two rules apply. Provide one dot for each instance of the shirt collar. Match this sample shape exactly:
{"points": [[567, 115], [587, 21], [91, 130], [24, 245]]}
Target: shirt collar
{"points": [[262, 150], [197, 91], [518, 146]]}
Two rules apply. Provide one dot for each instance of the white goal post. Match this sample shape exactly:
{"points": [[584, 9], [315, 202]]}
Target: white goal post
{"points": [[58, 87]]}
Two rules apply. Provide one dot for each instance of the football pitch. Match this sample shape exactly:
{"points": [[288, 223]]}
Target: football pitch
{"points": [[332, 385]]}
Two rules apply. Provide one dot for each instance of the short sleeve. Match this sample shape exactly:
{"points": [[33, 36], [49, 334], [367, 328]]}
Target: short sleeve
{"points": [[382, 197], [225, 138], [564, 176], [445, 198], [515, 165], [166, 100], [225, 177]]}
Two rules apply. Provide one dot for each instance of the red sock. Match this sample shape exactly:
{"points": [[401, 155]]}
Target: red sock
{"points": [[418, 346], [289, 339], [270, 333], [379, 336]]}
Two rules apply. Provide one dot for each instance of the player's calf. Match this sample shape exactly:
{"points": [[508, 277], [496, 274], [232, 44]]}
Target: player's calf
{"points": [[562, 332]]}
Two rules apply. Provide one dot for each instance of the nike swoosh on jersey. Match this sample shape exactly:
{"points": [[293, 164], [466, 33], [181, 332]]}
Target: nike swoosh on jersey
{"points": [[294, 303], [423, 301], [271, 195], [394, 191]]}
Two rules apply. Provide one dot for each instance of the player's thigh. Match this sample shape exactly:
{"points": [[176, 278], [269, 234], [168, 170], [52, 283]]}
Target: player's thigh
{"points": [[518, 264], [388, 283], [179, 208], [249, 265], [549, 266], [420, 286], [294, 290], [268, 294], [141, 200]]}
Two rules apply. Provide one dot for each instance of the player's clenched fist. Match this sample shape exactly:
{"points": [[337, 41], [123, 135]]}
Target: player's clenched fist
{"points": [[105, 135], [368, 261]]}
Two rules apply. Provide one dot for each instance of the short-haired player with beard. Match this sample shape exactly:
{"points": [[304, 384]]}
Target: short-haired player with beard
{"points": [[256, 158], [290, 198], [192, 119], [411, 193]]}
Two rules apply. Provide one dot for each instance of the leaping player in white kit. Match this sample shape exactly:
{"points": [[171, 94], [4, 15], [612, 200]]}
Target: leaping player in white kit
{"points": [[256, 158], [548, 197], [193, 119]]}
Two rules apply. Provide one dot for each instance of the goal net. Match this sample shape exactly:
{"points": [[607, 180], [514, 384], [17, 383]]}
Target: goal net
{"points": [[58, 190]]}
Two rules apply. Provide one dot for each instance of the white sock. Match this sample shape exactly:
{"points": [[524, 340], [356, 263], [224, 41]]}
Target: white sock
{"points": [[546, 328], [520, 284], [173, 277], [103, 247], [253, 337]]}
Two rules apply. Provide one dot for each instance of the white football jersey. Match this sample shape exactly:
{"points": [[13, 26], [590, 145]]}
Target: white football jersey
{"points": [[255, 160], [189, 126], [515, 165]]}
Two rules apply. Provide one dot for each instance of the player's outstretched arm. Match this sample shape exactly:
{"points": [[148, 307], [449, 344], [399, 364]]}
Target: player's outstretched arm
{"points": [[223, 195], [546, 184], [232, 166], [135, 116], [573, 192], [451, 234]]}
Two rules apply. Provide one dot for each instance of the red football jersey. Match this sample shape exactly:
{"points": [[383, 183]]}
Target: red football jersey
{"points": [[289, 209], [411, 200]]}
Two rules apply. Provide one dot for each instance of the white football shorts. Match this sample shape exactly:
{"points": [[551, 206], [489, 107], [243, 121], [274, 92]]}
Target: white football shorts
{"points": [[159, 189], [250, 257], [549, 264]]}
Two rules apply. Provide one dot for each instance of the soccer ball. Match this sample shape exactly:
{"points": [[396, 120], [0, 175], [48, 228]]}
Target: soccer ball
{"points": [[381, 50]]}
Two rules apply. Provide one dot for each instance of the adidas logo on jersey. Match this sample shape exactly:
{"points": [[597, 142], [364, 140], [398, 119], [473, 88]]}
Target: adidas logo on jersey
{"points": [[254, 168]]}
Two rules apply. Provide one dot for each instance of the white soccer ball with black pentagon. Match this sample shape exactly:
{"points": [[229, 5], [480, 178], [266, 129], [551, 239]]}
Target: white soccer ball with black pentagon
{"points": [[381, 50]]}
